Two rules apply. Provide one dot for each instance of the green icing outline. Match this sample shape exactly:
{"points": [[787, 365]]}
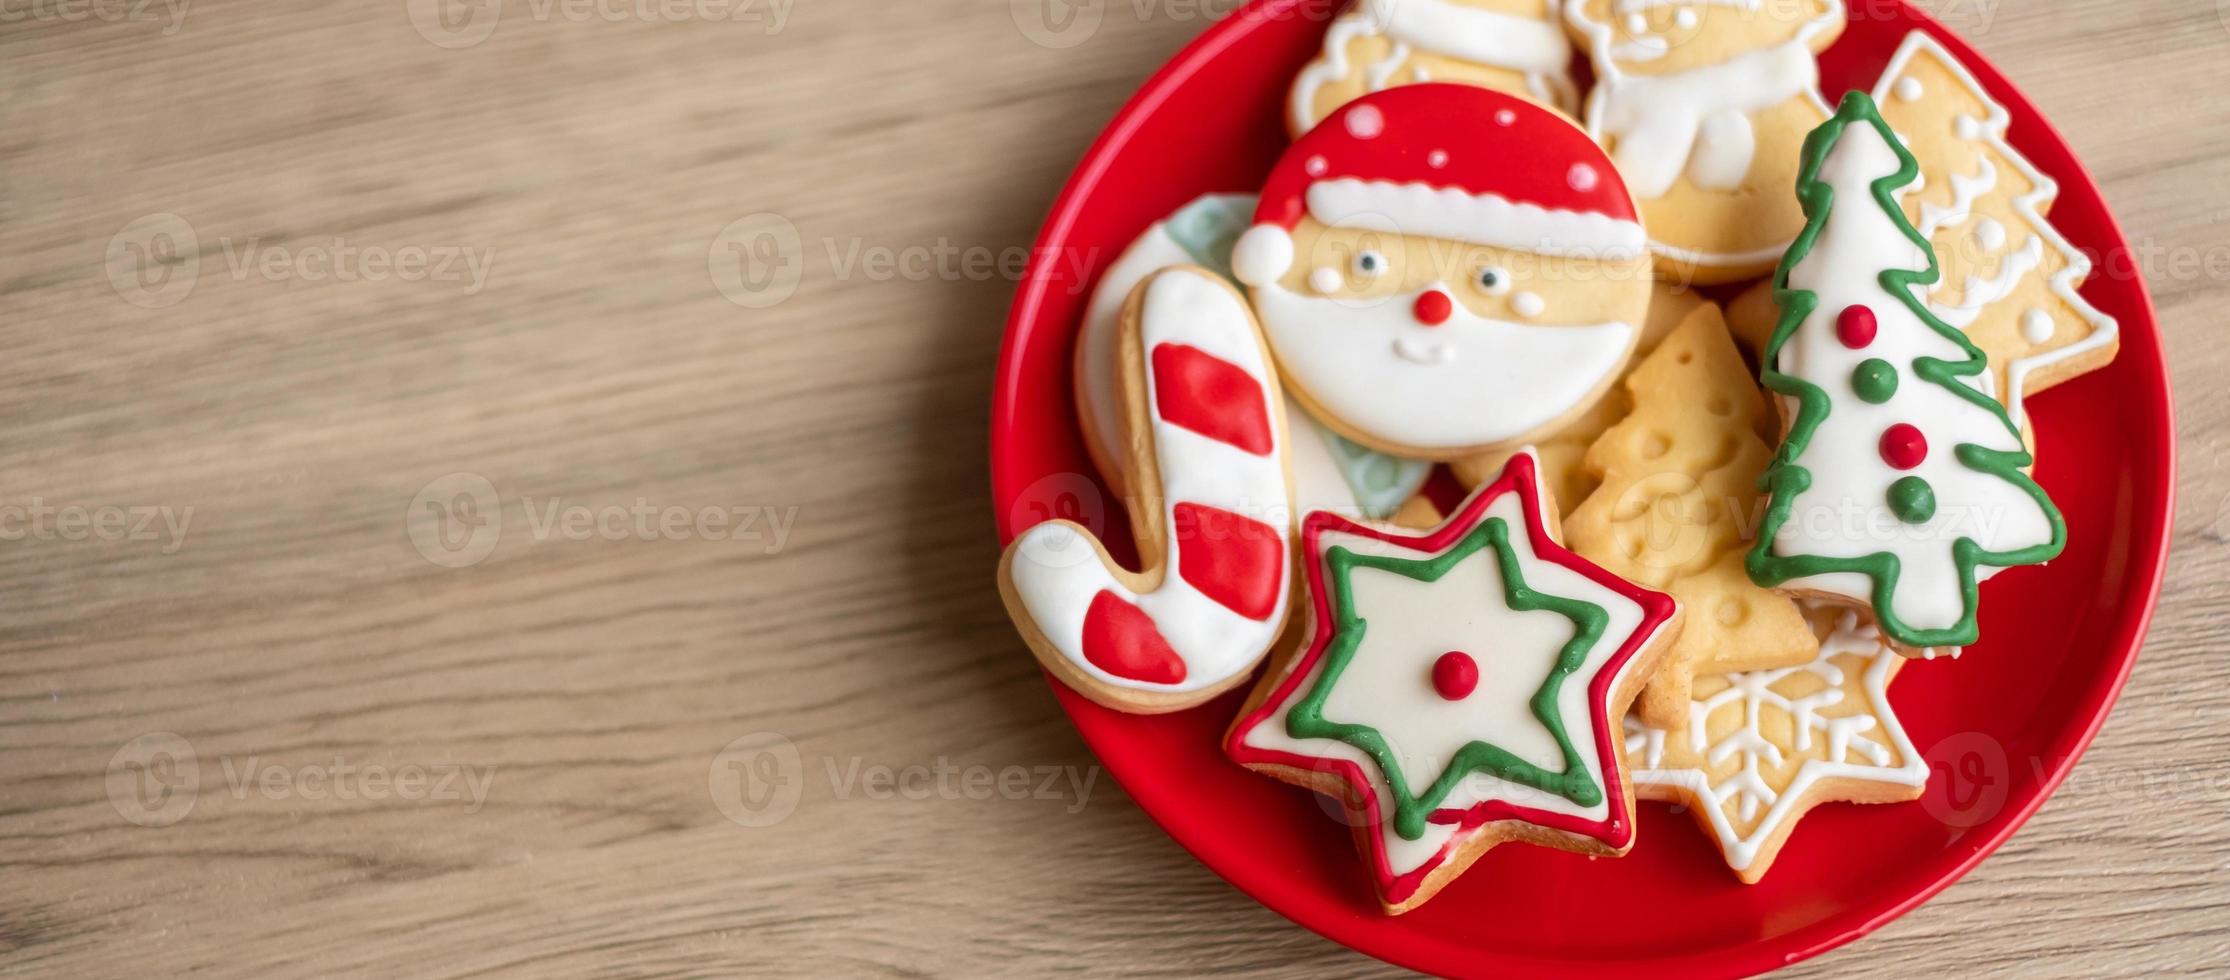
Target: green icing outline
{"points": [[1786, 478], [1306, 719]]}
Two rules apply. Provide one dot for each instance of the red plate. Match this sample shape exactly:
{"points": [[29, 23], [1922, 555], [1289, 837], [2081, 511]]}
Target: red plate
{"points": [[2001, 727]]}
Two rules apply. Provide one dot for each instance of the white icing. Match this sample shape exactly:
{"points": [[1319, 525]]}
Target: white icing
{"points": [[1725, 144], [1528, 305], [1057, 572], [1538, 49], [1870, 747], [1420, 209], [1325, 281], [1388, 686], [1981, 293], [1262, 254], [2104, 330], [1467, 383], [1658, 120], [1844, 513], [1965, 191], [1908, 89], [1989, 234], [2036, 326], [1102, 402]]}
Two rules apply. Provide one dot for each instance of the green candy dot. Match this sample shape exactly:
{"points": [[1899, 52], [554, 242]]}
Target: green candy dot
{"points": [[1912, 500], [1874, 380]]}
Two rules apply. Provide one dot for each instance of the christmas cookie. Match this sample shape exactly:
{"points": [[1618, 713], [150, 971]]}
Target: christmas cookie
{"points": [[1703, 104], [1762, 748], [2010, 279], [1445, 270], [1678, 490], [1899, 485], [1562, 453], [1461, 687], [1209, 505], [1512, 45], [1329, 471]]}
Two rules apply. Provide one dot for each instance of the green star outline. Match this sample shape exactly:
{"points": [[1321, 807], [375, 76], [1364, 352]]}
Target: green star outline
{"points": [[1306, 719]]}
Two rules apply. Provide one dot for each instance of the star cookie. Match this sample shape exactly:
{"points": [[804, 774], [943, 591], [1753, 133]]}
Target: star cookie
{"points": [[1460, 688], [1764, 747]]}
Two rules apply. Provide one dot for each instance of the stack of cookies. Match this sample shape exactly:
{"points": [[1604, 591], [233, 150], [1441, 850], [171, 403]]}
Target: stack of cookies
{"points": [[1697, 542]]}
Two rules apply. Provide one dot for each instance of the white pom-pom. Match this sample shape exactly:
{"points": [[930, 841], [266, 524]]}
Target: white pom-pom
{"points": [[1262, 255]]}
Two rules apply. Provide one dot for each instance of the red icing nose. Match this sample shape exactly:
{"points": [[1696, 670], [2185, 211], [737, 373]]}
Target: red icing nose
{"points": [[1433, 308]]}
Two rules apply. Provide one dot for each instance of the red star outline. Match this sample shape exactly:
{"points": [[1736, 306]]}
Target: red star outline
{"points": [[1519, 476]]}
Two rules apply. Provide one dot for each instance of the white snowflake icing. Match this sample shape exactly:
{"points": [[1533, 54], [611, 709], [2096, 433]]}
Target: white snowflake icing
{"points": [[1859, 746]]}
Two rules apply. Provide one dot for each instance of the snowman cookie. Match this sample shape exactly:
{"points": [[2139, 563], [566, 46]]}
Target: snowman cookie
{"points": [[1511, 45], [1444, 270], [1703, 104]]}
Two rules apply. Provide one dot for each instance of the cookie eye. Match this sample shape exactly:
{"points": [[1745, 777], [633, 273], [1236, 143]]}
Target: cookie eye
{"points": [[1493, 280], [1369, 264]]}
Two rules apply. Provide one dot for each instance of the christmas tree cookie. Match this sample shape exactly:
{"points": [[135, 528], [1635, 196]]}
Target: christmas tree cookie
{"points": [[1899, 485], [2010, 279], [1762, 748], [1461, 687], [1678, 489]]}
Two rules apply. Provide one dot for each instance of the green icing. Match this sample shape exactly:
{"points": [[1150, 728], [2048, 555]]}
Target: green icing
{"points": [[1875, 380], [1411, 809], [1208, 227], [1381, 483], [1787, 477], [1912, 500]]}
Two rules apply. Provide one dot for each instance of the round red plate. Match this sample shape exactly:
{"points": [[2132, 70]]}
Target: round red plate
{"points": [[2000, 727]]}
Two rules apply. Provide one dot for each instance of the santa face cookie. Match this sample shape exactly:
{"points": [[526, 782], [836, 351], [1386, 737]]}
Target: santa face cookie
{"points": [[1516, 46], [1900, 483], [1703, 104], [1210, 505], [1461, 688], [1444, 270]]}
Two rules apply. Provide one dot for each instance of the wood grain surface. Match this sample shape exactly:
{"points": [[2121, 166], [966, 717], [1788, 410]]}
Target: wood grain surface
{"points": [[305, 303]]}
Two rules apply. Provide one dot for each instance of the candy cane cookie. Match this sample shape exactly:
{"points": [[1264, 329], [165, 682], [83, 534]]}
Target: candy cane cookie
{"points": [[1210, 505]]}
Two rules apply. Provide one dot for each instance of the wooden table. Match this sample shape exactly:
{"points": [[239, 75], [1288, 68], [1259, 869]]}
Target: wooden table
{"points": [[403, 458]]}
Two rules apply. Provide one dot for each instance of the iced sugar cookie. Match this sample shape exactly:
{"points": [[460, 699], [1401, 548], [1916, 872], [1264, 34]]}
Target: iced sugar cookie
{"points": [[1516, 46], [2010, 279], [1900, 484], [1762, 748], [1678, 492], [1445, 270], [1703, 104], [1209, 505], [1461, 688], [1329, 471]]}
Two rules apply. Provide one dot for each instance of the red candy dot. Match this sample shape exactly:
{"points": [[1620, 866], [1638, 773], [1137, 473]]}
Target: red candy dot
{"points": [[1455, 675], [1855, 327], [1433, 308], [1903, 446]]}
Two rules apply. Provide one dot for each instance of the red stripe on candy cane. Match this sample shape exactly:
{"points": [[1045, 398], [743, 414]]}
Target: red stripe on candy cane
{"points": [[1203, 393], [1237, 561]]}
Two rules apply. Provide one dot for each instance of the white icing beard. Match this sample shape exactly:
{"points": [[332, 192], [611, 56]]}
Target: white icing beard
{"points": [[1469, 383]]}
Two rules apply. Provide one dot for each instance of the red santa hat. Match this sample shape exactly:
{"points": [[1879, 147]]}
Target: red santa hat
{"points": [[1449, 161]]}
